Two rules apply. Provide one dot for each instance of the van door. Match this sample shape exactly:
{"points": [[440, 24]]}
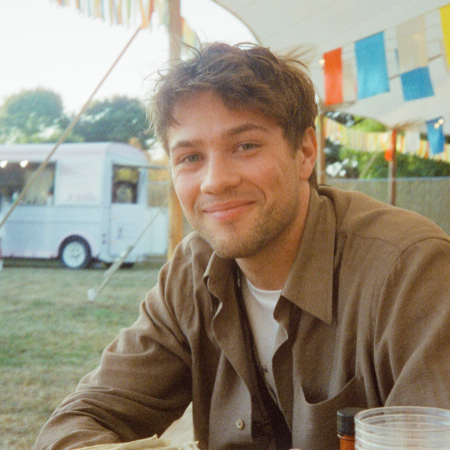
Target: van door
{"points": [[128, 212]]}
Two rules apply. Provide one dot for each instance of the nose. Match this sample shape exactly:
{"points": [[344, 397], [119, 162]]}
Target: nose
{"points": [[220, 174]]}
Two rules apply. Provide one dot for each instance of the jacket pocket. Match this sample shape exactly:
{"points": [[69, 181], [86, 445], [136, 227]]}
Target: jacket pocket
{"points": [[314, 424]]}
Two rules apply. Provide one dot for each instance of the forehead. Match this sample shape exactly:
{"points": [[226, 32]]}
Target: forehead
{"points": [[208, 109]]}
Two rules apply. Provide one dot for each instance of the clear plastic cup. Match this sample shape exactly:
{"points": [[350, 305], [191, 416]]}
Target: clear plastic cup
{"points": [[402, 428]]}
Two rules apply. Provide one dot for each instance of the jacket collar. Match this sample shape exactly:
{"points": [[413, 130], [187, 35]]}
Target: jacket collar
{"points": [[310, 282]]}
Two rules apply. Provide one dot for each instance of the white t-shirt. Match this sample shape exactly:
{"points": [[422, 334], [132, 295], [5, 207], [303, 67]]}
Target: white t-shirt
{"points": [[260, 305]]}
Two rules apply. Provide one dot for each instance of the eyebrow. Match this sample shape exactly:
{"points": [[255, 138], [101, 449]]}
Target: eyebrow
{"points": [[184, 144], [228, 133], [243, 128]]}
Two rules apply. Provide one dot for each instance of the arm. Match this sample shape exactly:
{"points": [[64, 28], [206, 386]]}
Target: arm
{"points": [[412, 328], [141, 386]]}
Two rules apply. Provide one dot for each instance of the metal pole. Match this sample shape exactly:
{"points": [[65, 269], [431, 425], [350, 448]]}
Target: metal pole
{"points": [[393, 170], [320, 162], [175, 211], [93, 293]]}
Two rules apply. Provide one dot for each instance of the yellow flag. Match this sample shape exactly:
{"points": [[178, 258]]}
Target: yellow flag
{"points": [[445, 19]]}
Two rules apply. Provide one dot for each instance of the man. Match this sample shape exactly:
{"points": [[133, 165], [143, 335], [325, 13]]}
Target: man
{"points": [[289, 302]]}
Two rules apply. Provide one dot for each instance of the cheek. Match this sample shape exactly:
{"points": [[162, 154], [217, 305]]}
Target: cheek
{"points": [[185, 189], [272, 177]]}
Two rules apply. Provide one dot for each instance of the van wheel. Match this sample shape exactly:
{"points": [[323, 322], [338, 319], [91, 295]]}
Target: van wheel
{"points": [[75, 253]]}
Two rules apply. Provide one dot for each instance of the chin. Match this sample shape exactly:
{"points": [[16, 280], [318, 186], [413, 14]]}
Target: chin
{"points": [[234, 249]]}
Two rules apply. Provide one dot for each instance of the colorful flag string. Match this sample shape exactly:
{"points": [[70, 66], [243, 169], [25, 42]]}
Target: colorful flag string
{"points": [[433, 148], [372, 63], [130, 13]]}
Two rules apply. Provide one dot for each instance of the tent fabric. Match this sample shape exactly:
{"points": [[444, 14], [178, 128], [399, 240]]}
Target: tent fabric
{"points": [[311, 29]]}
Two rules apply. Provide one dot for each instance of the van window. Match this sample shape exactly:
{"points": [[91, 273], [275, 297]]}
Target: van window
{"points": [[15, 176], [125, 184]]}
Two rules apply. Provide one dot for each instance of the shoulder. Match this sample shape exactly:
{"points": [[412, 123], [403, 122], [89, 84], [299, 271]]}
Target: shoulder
{"points": [[189, 261], [180, 282], [192, 255], [365, 218]]}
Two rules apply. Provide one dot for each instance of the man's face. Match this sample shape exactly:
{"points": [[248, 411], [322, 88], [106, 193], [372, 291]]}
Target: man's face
{"points": [[238, 181]]}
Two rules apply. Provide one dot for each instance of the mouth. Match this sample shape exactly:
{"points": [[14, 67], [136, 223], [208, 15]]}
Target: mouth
{"points": [[228, 210]]}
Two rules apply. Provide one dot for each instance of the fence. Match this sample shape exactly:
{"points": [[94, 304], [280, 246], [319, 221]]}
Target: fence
{"points": [[427, 196]]}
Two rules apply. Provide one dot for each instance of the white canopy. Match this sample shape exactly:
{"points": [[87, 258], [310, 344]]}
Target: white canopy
{"points": [[309, 28]]}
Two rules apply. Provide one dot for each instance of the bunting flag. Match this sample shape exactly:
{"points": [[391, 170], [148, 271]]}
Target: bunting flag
{"points": [[416, 84], [412, 140], [445, 21], [339, 77], [383, 141], [162, 8], [413, 60], [333, 77], [349, 85], [371, 66], [130, 13], [188, 34], [436, 135]]}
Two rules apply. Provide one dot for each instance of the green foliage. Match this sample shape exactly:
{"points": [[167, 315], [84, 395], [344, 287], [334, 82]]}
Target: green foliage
{"points": [[407, 165], [414, 166], [368, 125], [37, 116], [120, 119], [25, 117]]}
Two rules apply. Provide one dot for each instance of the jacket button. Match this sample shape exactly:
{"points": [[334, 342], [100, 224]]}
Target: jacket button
{"points": [[239, 424]]}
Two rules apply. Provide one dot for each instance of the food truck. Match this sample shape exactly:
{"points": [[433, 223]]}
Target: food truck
{"points": [[89, 203]]}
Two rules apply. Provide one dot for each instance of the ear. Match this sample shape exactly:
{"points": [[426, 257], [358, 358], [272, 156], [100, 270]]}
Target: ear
{"points": [[307, 153]]}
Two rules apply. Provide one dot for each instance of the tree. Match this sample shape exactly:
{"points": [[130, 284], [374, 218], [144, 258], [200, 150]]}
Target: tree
{"points": [[120, 119], [31, 116]]}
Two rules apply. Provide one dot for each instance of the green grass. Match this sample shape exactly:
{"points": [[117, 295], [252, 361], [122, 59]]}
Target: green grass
{"points": [[51, 335]]}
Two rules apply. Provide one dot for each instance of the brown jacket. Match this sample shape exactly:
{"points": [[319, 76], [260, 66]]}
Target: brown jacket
{"points": [[365, 316]]}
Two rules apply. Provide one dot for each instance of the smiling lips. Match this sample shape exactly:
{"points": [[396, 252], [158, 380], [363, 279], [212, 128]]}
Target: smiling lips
{"points": [[227, 210]]}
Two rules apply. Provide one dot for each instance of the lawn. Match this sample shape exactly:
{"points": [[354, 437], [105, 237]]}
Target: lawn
{"points": [[51, 335]]}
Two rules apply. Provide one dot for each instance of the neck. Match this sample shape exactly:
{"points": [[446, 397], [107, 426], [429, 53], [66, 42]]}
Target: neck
{"points": [[264, 275]]}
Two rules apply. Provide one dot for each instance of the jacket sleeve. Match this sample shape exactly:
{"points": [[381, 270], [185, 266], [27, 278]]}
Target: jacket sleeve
{"points": [[142, 385], [412, 328]]}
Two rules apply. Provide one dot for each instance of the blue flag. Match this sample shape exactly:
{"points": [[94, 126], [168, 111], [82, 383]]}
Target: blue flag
{"points": [[436, 135], [371, 66], [417, 84]]}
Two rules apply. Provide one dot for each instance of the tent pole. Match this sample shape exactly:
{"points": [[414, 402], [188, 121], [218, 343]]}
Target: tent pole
{"points": [[67, 131], [320, 162], [393, 170], [175, 211]]}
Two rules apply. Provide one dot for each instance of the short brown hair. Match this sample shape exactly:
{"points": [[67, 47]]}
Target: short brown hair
{"points": [[245, 76]]}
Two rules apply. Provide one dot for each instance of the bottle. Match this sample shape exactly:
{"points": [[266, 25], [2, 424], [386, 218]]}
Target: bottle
{"points": [[346, 427]]}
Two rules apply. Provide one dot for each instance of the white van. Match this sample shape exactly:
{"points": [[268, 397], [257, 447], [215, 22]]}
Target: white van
{"points": [[89, 203]]}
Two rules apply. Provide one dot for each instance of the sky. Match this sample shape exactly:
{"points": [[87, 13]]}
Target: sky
{"points": [[43, 45]]}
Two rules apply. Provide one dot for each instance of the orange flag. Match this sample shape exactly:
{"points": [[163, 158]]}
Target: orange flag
{"points": [[333, 77]]}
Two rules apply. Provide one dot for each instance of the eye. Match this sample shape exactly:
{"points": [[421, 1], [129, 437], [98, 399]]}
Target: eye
{"points": [[192, 158], [246, 146], [189, 159]]}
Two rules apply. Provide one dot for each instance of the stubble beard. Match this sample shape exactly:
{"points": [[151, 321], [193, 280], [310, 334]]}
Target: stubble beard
{"points": [[233, 243]]}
